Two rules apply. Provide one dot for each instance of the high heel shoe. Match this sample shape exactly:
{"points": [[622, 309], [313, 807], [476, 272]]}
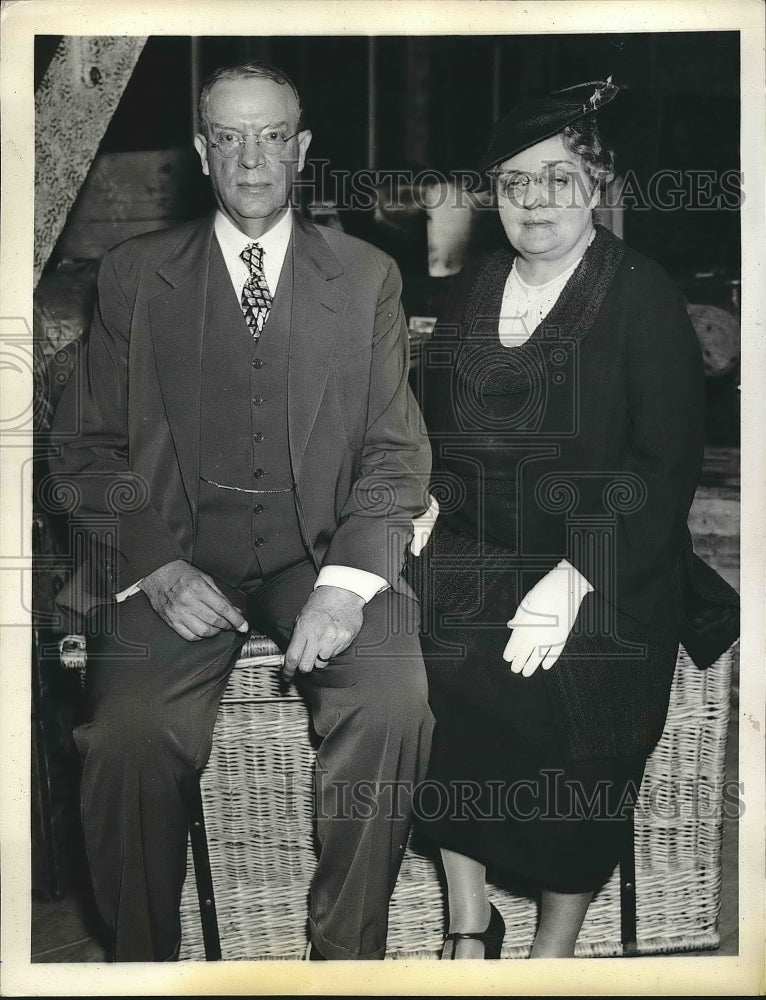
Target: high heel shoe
{"points": [[491, 938]]}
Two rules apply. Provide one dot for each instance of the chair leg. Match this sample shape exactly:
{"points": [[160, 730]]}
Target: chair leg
{"points": [[204, 878], [628, 890]]}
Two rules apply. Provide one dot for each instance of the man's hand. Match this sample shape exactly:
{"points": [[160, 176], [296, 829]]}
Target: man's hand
{"points": [[327, 624], [189, 601]]}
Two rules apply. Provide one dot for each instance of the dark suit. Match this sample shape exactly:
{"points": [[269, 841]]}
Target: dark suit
{"points": [[128, 427]]}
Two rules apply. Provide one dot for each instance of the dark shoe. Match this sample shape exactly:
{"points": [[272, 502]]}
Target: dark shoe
{"points": [[491, 938]]}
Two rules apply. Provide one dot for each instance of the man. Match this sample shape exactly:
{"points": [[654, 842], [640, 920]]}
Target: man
{"points": [[243, 408]]}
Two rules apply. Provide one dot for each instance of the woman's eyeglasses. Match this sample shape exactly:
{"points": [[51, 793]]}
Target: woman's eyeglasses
{"points": [[515, 184]]}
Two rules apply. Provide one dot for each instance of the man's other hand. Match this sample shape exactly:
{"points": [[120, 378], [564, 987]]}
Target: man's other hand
{"points": [[328, 623], [189, 601]]}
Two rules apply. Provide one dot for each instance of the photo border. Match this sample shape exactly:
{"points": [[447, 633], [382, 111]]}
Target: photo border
{"points": [[704, 975]]}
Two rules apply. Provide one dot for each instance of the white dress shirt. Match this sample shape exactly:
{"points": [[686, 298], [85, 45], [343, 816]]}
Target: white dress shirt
{"points": [[233, 241]]}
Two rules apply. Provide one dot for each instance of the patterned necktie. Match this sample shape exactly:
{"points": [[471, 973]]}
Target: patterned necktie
{"points": [[256, 297]]}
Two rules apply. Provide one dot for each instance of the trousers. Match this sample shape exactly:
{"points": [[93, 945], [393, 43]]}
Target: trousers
{"points": [[151, 704]]}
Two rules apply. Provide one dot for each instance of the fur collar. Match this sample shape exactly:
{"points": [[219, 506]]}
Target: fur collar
{"points": [[487, 366]]}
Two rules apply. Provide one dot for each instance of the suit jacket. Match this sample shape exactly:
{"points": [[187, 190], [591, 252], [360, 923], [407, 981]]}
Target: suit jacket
{"points": [[127, 427]]}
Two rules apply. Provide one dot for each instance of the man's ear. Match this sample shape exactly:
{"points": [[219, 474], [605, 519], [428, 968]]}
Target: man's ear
{"points": [[304, 141], [200, 144]]}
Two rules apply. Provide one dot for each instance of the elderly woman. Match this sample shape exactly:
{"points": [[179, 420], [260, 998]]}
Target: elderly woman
{"points": [[564, 399]]}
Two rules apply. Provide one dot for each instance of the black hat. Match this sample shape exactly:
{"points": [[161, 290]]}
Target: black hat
{"points": [[532, 121]]}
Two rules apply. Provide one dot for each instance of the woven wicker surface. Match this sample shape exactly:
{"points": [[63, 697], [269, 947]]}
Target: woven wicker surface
{"points": [[258, 801]]}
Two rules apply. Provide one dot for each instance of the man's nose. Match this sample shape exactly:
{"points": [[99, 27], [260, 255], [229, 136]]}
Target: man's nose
{"points": [[251, 154]]}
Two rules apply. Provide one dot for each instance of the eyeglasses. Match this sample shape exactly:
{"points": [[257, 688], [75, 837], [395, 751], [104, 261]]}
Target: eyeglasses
{"points": [[516, 184], [229, 141]]}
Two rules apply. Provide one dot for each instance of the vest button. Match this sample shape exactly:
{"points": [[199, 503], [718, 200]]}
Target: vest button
{"points": [[258, 542], [257, 400], [258, 473], [258, 509], [258, 436], [257, 362]]}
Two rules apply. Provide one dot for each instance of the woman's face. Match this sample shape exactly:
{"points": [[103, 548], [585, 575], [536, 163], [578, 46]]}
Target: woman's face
{"points": [[545, 200]]}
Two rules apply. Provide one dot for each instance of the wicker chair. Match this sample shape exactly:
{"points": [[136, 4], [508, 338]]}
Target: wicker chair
{"points": [[258, 803], [252, 846]]}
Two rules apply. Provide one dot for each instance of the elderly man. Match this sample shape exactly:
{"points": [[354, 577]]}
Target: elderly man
{"points": [[242, 411]]}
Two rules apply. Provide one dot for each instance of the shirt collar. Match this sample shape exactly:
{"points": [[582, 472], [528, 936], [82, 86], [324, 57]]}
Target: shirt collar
{"points": [[274, 241]]}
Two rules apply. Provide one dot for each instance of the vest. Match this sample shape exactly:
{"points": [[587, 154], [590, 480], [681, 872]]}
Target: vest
{"points": [[247, 525]]}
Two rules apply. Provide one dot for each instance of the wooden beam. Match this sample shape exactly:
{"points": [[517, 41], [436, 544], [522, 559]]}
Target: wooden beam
{"points": [[73, 107]]}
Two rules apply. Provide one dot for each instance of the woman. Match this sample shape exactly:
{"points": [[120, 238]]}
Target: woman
{"points": [[564, 399]]}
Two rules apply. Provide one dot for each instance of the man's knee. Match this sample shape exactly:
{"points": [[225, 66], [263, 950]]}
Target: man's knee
{"points": [[397, 705], [136, 735], [393, 686]]}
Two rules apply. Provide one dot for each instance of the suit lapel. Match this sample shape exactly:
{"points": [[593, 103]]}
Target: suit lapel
{"points": [[177, 320], [318, 305]]}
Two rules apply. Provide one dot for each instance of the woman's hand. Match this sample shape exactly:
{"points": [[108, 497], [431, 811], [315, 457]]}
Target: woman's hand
{"points": [[544, 619]]}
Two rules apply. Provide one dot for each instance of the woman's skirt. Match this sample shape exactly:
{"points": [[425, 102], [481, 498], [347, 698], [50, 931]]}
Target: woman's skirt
{"points": [[534, 775]]}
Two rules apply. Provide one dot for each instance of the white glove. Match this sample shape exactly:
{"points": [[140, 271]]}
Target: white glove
{"points": [[544, 619], [423, 525]]}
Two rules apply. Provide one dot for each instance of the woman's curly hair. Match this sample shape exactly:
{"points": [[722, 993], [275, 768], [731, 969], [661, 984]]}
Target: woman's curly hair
{"points": [[583, 138]]}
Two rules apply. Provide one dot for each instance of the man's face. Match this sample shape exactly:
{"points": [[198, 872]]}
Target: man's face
{"points": [[253, 186]]}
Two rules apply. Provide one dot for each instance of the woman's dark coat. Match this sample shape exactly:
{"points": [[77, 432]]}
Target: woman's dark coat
{"points": [[603, 434]]}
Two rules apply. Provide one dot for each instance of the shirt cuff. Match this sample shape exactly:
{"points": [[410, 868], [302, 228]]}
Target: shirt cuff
{"points": [[359, 581], [123, 594], [433, 507]]}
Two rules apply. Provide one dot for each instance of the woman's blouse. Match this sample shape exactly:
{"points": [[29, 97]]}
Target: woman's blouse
{"points": [[526, 306]]}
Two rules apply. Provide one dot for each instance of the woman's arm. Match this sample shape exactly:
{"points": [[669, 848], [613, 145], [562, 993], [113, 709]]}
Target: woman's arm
{"points": [[664, 388], [664, 385]]}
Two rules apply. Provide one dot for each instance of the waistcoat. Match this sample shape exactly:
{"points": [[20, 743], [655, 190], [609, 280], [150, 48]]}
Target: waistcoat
{"points": [[248, 525]]}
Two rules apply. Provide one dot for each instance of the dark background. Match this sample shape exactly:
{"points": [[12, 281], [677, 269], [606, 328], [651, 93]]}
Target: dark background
{"points": [[389, 103], [436, 99]]}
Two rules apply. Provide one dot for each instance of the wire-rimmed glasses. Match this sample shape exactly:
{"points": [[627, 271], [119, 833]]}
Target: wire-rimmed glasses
{"points": [[230, 141]]}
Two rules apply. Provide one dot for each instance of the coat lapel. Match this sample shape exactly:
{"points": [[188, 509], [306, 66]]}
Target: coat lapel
{"points": [[318, 306], [177, 320]]}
